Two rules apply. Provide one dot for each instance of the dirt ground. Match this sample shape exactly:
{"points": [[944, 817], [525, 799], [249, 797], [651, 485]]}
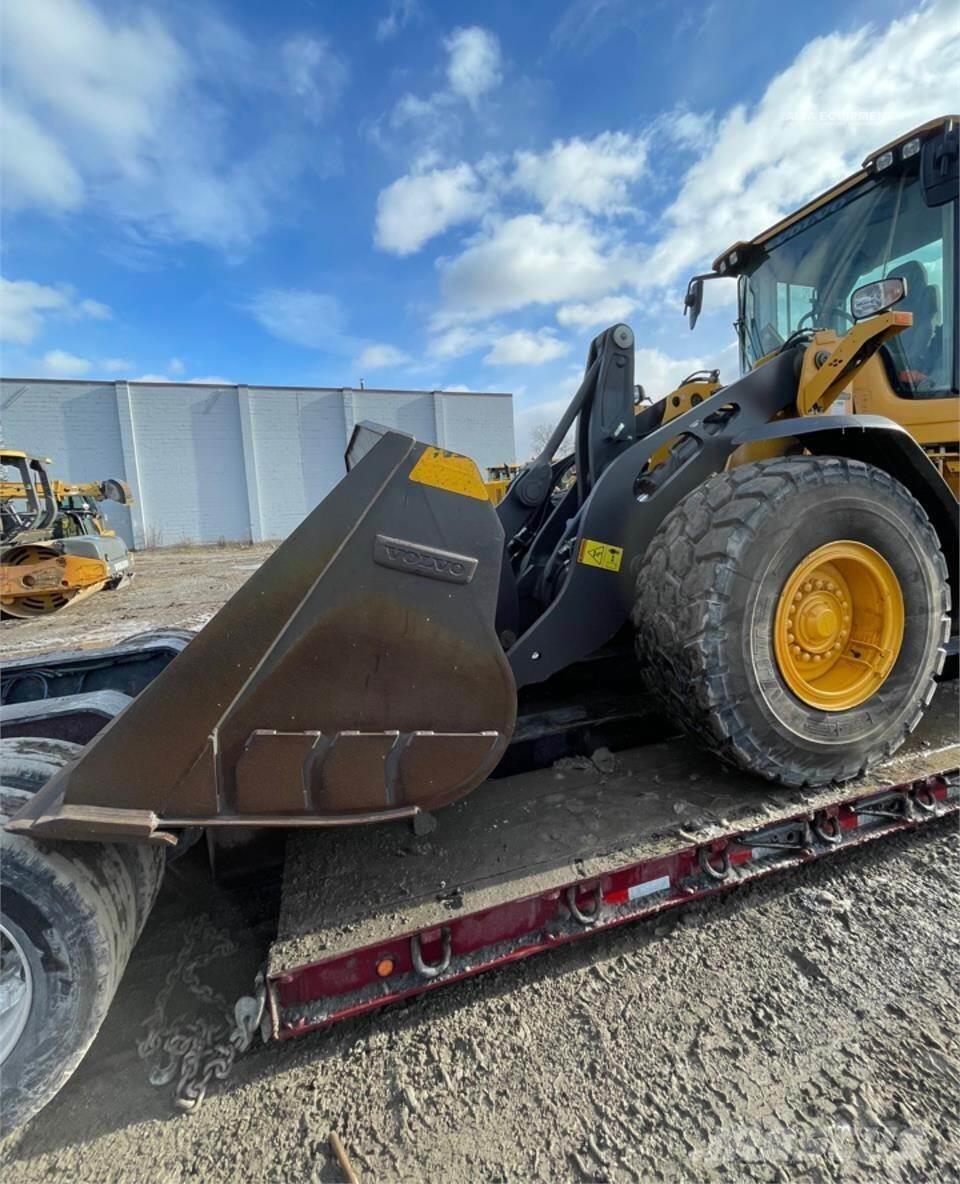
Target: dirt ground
{"points": [[179, 588], [802, 1028]]}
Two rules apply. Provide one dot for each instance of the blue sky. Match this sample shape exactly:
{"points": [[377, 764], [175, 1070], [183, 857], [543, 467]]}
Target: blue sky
{"points": [[416, 193]]}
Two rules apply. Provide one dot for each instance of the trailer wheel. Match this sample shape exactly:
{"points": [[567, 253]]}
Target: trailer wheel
{"points": [[71, 913], [793, 615]]}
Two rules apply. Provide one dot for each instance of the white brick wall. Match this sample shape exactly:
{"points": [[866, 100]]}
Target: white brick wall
{"points": [[203, 468], [469, 427], [190, 463]]}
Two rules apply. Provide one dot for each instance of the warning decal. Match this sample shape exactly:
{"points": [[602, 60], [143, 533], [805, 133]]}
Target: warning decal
{"points": [[604, 555]]}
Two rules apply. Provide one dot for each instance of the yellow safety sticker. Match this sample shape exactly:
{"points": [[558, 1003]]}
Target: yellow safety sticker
{"points": [[604, 555], [450, 471]]}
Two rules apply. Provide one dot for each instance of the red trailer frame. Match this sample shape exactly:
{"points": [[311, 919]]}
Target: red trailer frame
{"points": [[320, 993]]}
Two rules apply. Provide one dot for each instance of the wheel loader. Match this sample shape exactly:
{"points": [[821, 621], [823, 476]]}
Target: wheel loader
{"points": [[775, 560], [55, 547], [782, 562]]}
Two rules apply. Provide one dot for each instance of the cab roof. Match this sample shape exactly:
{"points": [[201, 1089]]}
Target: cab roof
{"points": [[726, 265]]}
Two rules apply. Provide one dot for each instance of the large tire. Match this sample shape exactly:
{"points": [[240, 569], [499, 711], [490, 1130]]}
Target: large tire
{"points": [[71, 913], [706, 603]]}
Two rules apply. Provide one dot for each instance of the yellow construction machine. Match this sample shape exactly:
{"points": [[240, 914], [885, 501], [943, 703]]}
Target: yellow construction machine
{"points": [[782, 558], [895, 217], [498, 480], [55, 547]]}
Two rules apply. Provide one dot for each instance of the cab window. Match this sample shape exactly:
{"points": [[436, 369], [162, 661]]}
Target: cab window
{"points": [[920, 360]]}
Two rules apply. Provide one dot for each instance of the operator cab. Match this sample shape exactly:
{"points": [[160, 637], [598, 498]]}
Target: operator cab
{"points": [[896, 217]]}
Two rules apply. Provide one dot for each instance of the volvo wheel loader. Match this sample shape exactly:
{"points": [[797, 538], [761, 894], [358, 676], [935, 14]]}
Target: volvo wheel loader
{"points": [[781, 552], [55, 547], [784, 569]]}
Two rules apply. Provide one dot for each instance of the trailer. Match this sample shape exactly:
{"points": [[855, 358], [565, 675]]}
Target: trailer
{"points": [[598, 814], [375, 915]]}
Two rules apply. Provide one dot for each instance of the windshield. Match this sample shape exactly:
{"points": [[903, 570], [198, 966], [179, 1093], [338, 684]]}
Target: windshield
{"points": [[809, 270]]}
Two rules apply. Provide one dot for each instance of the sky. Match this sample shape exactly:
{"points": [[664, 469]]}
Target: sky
{"points": [[420, 194]]}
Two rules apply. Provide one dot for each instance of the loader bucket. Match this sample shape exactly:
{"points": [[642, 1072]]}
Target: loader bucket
{"points": [[357, 675]]}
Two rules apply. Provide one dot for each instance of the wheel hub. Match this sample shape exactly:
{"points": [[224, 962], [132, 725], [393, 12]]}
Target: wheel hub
{"points": [[16, 992], [839, 625]]}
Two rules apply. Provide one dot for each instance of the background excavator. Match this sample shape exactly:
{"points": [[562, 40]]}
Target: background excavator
{"points": [[55, 547]]}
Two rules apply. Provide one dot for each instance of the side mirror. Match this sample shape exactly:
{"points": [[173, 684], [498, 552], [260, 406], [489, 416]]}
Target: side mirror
{"points": [[693, 301], [870, 299]]}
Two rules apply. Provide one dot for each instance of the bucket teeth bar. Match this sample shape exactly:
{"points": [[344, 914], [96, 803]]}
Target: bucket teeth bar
{"points": [[368, 771], [356, 675]]}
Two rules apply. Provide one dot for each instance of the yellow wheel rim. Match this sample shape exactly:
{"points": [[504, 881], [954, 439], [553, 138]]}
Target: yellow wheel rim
{"points": [[839, 625]]}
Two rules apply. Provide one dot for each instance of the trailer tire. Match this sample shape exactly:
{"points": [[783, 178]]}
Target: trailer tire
{"points": [[725, 555], [71, 915]]}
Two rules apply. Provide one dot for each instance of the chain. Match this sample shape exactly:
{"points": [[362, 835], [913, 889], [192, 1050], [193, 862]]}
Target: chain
{"points": [[196, 1050]]}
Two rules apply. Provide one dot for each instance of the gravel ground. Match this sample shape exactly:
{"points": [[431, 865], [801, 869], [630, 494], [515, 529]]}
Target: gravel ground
{"points": [[177, 588], [800, 1028]]}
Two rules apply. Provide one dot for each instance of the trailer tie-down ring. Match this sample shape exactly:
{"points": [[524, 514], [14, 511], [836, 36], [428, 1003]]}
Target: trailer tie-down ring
{"points": [[715, 873], [427, 969], [827, 828], [584, 916], [925, 799]]}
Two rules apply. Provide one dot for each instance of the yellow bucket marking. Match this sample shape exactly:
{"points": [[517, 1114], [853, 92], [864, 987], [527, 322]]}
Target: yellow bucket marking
{"points": [[450, 471], [603, 555]]}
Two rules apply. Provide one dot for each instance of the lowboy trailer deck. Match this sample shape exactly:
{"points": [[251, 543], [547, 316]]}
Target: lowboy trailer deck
{"points": [[373, 915], [556, 845]]}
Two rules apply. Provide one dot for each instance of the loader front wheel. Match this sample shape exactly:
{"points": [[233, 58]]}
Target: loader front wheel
{"points": [[793, 615], [71, 913]]}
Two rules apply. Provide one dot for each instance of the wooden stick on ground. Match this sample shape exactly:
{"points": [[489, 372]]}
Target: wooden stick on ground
{"points": [[340, 1153]]}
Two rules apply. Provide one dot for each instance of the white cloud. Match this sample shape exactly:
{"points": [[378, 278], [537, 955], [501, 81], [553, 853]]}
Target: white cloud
{"points": [[400, 14], [522, 348], [457, 388], [175, 127], [605, 311], [302, 317], [380, 356], [25, 305], [813, 125], [456, 341], [593, 175], [36, 171], [115, 365], [204, 380], [435, 122], [175, 366], [95, 309], [60, 364], [418, 206], [317, 74], [473, 67], [531, 260]]}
